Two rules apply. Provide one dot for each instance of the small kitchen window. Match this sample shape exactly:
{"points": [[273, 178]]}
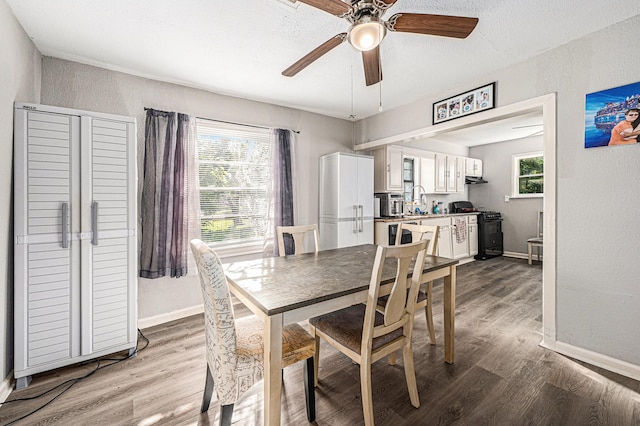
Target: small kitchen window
{"points": [[528, 175], [408, 178]]}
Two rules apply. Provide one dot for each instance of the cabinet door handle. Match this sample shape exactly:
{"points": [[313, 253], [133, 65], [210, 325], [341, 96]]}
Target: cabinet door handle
{"points": [[94, 223], [65, 225], [355, 219], [361, 207]]}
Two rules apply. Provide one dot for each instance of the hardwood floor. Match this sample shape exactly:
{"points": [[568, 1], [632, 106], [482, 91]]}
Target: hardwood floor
{"points": [[501, 376]]}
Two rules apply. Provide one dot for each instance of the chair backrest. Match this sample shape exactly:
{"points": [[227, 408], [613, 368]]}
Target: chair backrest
{"points": [[540, 223], [298, 233], [220, 331], [429, 233], [400, 307]]}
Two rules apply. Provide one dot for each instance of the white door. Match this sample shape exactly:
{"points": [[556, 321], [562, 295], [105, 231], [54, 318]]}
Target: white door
{"points": [[108, 257], [459, 237], [395, 167], [444, 242], [451, 173], [473, 239], [46, 223], [441, 173], [459, 174], [365, 200]]}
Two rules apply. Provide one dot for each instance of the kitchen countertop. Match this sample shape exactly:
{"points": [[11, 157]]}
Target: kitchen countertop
{"points": [[421, 216]]}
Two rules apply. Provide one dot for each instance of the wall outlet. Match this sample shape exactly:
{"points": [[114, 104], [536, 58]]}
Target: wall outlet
{"points": [[506, 198]]}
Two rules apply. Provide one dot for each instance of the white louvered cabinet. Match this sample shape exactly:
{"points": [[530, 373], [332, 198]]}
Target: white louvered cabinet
{"points": [[75, 248]]}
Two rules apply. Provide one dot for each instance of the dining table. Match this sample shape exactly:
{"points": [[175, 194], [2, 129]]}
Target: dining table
{"points": [[289, 289]]}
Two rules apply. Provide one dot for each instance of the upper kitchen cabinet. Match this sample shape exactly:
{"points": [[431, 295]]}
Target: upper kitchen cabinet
{"points": [[441, 174], [473, 167], [449, 175], [388, 165]]}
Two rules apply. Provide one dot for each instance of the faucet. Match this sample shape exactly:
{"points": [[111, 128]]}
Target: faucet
{"points": [[423, 192], [420, 194]]}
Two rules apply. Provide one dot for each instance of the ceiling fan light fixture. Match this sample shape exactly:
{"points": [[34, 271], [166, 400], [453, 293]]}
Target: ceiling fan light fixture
{"points": [[366, 34]]}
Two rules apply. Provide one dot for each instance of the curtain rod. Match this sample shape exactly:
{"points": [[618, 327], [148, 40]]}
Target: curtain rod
{"points": [[237, 124], [242, 124]]}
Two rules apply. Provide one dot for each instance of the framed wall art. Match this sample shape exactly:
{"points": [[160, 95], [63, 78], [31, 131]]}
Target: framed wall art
{"points": [[466, 103], [612, 116]]}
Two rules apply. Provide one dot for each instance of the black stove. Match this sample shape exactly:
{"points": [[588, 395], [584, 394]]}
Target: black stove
{"points": [[489, 216], [490, 238]]}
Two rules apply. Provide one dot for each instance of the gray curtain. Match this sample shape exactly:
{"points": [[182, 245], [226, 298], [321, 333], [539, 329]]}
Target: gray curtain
{"points": [[164, 207], [283, 187]]}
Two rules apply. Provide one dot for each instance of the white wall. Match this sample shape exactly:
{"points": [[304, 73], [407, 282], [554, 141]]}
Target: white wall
{"points": [[597, 295], [73, 85], [20, 81], [519, 214]]}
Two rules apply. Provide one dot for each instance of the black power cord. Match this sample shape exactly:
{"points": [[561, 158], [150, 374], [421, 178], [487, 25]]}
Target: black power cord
{"points": [[75, 380]]}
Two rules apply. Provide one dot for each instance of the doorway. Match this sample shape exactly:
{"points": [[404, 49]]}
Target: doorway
{"points": [[546, 105]]}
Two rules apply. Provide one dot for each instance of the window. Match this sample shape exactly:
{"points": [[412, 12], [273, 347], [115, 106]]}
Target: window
{"points": [[528, 175], [234, 165], [407, 178]]}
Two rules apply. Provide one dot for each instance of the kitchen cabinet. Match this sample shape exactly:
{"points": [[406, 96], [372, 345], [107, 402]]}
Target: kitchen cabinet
{"points": [[445, 248], [388, 166], [473, 167], [459, 237], [426, 173], [440, 173], [473, 234], [449, 175], [346, 200], [75, 246]]}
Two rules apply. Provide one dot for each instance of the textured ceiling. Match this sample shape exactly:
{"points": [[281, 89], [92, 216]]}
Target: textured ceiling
{"points": [[239, 48]]}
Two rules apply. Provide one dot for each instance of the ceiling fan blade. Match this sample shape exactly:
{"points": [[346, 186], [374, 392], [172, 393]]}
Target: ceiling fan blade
{"points": [[440, 25], [372, 66], [335, 7], [314, 55]]}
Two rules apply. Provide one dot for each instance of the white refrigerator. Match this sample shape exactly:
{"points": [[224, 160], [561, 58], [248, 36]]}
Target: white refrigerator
{"points": [[346, 200]]}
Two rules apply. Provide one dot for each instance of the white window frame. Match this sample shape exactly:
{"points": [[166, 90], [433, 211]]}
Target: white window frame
{"points": [[515, 174], [226, 249]]}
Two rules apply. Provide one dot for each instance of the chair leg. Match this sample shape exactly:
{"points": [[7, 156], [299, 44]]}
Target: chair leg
{"points": [[529, 248], [429, 313], [410, 373], [316, 355], [367, 394], [392, 358], [309, 389], [208, 391], [226, 412]]}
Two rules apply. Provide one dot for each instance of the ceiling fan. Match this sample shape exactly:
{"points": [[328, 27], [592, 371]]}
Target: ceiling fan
{"points": [[368, 29]]}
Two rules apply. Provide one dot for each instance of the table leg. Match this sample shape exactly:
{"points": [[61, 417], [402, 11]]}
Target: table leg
{"points": [[272, 369], [449, 313]]}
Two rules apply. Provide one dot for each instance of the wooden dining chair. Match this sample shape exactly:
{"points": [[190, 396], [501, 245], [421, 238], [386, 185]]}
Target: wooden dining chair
{"points": [[537, 240], [235, 348], [299, 234], [365, 335], [430, 234]]}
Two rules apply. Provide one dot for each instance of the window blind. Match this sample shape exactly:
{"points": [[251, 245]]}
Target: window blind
{"points": [[235, 182]]}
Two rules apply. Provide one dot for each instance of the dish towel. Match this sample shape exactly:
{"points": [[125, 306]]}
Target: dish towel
{"points": [[461, 230]]}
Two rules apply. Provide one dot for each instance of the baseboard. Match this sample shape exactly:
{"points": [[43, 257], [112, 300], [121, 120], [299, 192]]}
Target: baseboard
{"points": [[6, 387], [169, 316], [516, 255], [599, 360]]}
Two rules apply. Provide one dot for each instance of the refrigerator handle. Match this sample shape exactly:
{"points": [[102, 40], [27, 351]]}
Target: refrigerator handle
{"points": [[361, 229], [65, 230]]}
